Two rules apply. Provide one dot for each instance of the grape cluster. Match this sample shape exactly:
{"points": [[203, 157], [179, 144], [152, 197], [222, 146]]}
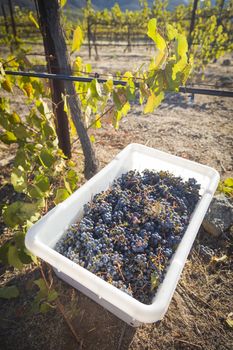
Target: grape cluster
{"points": [[129, 232]]}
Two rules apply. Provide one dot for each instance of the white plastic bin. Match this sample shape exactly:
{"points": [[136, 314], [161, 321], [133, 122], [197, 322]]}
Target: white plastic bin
{"points": [[42, 237]]}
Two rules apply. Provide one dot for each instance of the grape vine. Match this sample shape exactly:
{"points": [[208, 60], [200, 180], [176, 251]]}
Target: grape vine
{"points": [[41, 174]]}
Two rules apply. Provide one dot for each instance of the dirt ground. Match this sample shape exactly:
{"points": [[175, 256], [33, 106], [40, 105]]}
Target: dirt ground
{"points": [[202, 131]]}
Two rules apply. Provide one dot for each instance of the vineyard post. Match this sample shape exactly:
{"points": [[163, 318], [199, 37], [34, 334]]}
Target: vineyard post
{"points": [[95, 45], [128, 38], [51, 12], [221, 5], [192, 24], [5, 19], [89, 35], [57, 86], [12, 20]]}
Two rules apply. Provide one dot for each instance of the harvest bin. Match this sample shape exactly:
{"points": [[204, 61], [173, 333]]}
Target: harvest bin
{"points": [[42, 237]]}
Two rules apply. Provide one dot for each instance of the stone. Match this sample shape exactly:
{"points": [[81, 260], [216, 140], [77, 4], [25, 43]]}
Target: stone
{"points": [[219, 216], [226, 62]]}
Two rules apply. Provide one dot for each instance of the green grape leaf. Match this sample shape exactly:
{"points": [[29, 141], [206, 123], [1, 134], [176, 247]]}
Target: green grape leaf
{"points": [[43, 291], [72, 178], [42, 182], [43, 108], [8, 137], [45, 307], [24, 255], [9, 292], [46, 158], [172, 85], [95, 89], [130, 91], [18, 212], [13, 257], [116, 100], [67, 185], [154, 34], [47, 130], [35, 120], [34, 191], [77, 39], [61, 195], [14, 118], [20, 132], [52, 295], [21, 159], [5, 121], [19, 179], [153, 102], [118, 116]]}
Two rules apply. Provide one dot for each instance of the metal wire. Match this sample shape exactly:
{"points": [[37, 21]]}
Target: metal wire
{"points": [[183, 89]]}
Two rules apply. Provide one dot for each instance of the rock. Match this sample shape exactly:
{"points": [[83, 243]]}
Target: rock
{"points": [[224, 81], [226, 62], [219, 217]]}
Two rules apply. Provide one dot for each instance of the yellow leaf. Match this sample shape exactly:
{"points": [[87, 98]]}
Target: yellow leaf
{"points": [[108, 86], [127, 76], [92, 138], [62, 3], [171, 32], [182, 46], [77, 39], [126, 108], [157, 61], [154, 34], [153, 102], [229, 319], [28, 89], [73, 130], [216, 259], [6, 84], [179, 67], [77, 65], [229, 182], [88, 68], [33, 20], [229, 322], [97, 121], [64, 97]]}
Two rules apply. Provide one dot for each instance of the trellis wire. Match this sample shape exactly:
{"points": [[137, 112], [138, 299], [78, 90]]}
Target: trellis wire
{"points": [[183, 89]]}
